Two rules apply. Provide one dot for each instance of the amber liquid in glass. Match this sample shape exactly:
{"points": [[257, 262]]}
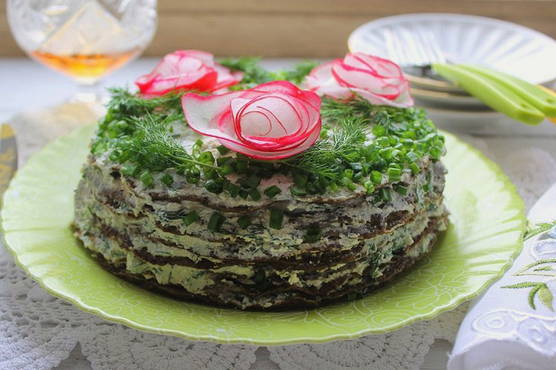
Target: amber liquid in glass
{"points": [[85, 68]]}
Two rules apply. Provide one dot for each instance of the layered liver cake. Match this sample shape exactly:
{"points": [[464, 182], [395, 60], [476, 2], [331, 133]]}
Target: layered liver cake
{"points": [[177, 207]]}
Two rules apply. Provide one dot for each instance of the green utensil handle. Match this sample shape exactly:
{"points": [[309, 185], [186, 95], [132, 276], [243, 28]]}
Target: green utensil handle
{"points": [[495, 95], [533, 94]]}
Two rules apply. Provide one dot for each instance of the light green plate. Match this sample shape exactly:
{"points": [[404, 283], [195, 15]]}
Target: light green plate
{"points": [[487, 221]]}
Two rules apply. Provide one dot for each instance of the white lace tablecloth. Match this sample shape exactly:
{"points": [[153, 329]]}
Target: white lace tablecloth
{"points": [[40, 331]]}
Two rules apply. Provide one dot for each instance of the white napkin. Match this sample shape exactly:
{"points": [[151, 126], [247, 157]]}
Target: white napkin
{"points": [[513, 325]]}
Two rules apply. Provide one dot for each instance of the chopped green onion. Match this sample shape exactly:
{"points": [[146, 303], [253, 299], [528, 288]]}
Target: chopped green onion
{"points": [[210, 173], [348, 183], [241, 165], [128, 170], [272, 191], [379, 130], [147, 179], [167, 179], [394, 174], [232, 189], [206, 157], [276, 218], [414, 168], [221, 161], [385, 195], [401, 189], [226, 169], [376, 177], [215, 222], [412, 156], [297, 191], [190, 218], [300, 179], [435, 153], [369, 187], [193, 175], [214, 186], [255, 195], [312, 234], [222, 149], [244, 221], [251, 182]]}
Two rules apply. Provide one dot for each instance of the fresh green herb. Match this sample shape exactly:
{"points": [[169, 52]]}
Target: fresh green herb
{"points": [[129, 170], [244, 221], [312, 234], [124, 104], [272, 191], [215, 222], [147, 179], [190, 218], [223, 150], [214, 186], [255, 194], [232, 189], [250, 182], [253, 74], [401, 189], [297, 74], [369, 187], [276, 218], [394, 174], [167, 179], [297, 191]]}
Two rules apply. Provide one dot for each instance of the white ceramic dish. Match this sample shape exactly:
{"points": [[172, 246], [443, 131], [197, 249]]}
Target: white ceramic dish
{"points": [[502, 45], [485, 123], [440, 99]]}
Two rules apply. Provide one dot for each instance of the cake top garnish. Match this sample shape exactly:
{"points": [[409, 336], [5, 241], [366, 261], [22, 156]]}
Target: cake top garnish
{"points": [[344, 126]]}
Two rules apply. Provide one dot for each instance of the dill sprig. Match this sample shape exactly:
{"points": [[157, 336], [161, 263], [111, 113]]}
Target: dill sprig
{"points": [[124, 103], [297, 74], [339, 144], [254, 74], [153, 146]]}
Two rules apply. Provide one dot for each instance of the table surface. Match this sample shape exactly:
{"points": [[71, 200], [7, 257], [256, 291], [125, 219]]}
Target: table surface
{"points": [[33, 86]]}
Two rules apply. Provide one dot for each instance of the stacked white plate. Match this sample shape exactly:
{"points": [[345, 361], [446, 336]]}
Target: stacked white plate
{"points": [[497, 44]]}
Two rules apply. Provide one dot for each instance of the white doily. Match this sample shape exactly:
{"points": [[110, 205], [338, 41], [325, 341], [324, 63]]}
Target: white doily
{"points": [[39, 331]]}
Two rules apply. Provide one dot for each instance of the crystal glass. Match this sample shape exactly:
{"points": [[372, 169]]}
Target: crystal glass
{"points": [[83, 39]]}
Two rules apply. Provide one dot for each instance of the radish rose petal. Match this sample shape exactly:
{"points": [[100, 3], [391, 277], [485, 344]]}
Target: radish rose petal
{"points": [[271, 121], [187, 70], [379, 81]]}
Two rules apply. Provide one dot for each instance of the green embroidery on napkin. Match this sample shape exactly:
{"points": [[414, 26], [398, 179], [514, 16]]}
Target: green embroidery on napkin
{"points": [[544, 267], [539, 228], [540, 289]]}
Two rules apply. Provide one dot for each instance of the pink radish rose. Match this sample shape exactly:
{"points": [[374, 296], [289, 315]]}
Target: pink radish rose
{"points": [[187, 70], [271, 121], [377, 80]]}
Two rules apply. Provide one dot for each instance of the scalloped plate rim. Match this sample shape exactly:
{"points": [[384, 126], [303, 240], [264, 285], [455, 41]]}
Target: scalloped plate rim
{"points": [[452, 304], [355, 37]]}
